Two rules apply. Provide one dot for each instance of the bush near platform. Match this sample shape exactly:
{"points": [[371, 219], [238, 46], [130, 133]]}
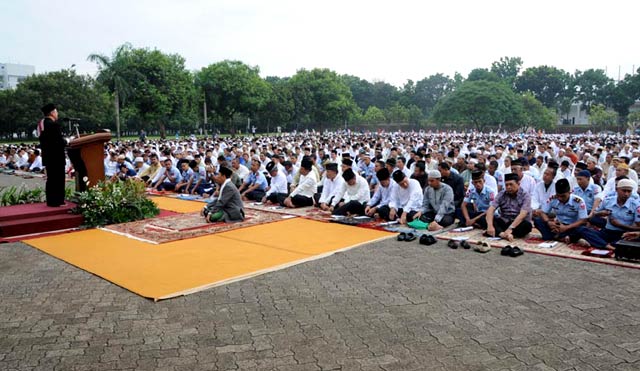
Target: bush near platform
{"points": [[115, 202]]}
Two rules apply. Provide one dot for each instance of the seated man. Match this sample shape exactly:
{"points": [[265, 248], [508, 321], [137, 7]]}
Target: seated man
{"points": [[379, 203], [570, 213], [255, 184], [166, 178], [437, 204], [307, 186], [406, 198], [623, 215], [476, 202], [228, 206], [420, 174], [331, 185], [352, 197], [515, 211], [278, 190], [186, 173]]}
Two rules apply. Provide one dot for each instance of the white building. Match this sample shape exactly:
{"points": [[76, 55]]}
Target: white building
{"points": [[577, 116], [13, 74]]}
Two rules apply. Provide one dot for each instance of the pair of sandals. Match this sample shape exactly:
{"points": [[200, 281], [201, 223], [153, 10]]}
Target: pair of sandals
{"points": [[512, 251], [455, 244], [406, 236]]}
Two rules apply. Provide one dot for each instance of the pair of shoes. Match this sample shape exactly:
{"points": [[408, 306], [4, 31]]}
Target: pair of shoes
{"points": [[482, 247], [512, 251], [465, 245], [427, 239], [453, 244], [406, 237]]}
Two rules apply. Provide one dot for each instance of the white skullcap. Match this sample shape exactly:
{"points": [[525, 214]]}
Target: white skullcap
{"points": [[138, 159], [625, 183], [435, 174]]}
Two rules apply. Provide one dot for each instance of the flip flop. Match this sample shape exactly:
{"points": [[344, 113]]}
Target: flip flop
{"points": [[506, 251], [465, 245], [452, 244], [515, 252], [409, 237], [402, 236]]}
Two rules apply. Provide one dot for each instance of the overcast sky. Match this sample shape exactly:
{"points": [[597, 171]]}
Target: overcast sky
{"points": [[377, 40]]}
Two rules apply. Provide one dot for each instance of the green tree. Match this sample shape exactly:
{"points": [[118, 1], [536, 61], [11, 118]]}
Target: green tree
{"points": [[547, 84], [429, 90], [156, 85], [321, 97], [535, 114], [111, 75], [480, 104], [232, 87], [625, 93], [397, 114], [507, 69], [374, 116], [482, 74], [278, 108], [592, 86], [76, 96], [633, 121], [602, 117]]}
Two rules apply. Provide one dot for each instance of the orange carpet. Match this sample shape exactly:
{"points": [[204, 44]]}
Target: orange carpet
{"points": [[187, 266], [177, 205]]}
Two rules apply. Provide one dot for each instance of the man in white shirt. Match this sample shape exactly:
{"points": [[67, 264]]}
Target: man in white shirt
{"points": [[379, 203], [36, 165], [307, 187], [352, 196], [406, 199], [240, 170], [331, 184], [543, 191], [527, 183], [277, 190]]}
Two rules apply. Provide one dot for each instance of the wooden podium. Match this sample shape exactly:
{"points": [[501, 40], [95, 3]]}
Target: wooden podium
{"points": [[87, 156]]}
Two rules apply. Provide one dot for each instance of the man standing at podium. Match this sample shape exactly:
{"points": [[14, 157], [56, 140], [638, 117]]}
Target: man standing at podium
{"points": [[52, 144]]}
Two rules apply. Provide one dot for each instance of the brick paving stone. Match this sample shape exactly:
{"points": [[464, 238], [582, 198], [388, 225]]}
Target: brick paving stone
{"points": [[387, 305]]}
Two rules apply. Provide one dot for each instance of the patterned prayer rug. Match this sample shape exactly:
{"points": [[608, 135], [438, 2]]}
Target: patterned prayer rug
{"points": [[182, 226], [309, 212]]}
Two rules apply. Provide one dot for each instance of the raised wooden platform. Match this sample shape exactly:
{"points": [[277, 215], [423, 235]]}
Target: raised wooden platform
{"points": [[30, 219]]}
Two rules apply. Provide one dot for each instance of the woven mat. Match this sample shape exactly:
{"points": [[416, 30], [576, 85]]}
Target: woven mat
{"points": [[309, 212], [182, 226], [531, 244]]}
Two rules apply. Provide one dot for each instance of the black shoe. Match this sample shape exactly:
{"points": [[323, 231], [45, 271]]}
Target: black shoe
{"points": [[409, 237], [515, 252], [427, 239], [452, 244], [465, 245], [402, 236], [506, 250]]}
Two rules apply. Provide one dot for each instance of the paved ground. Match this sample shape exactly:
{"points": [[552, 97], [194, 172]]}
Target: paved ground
{"points": [[389, 305]]}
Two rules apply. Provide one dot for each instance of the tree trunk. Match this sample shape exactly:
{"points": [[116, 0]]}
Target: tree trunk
{"points": [[163, 131], [116, 103]]}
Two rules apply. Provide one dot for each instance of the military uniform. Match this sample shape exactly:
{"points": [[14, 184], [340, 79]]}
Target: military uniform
{"points": [[566, 213], [627, 214], [476, 204]]}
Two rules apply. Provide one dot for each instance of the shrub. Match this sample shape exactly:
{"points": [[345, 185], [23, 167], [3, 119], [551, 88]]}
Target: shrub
{"points": [[115, 202], [20, 195]]}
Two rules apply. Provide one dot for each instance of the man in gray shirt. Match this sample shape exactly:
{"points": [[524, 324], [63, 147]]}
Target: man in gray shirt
{"points": [[438, 208]]}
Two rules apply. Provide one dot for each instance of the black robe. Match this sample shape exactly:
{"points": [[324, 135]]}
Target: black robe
{"points": [[53, 144]]}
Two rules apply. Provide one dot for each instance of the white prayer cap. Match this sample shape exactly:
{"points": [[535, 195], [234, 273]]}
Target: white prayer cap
{"points": [[138, 159], [434, 174], [625, 183]]}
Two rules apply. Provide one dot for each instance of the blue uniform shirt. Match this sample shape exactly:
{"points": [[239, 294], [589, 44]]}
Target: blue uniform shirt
{"points": [[482, 200], [588, 195], [627, 214], [257, 178], [567, 213]]}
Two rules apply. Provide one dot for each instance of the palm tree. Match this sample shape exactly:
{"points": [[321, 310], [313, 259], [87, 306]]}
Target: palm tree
{"points": [[112, 76]]}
